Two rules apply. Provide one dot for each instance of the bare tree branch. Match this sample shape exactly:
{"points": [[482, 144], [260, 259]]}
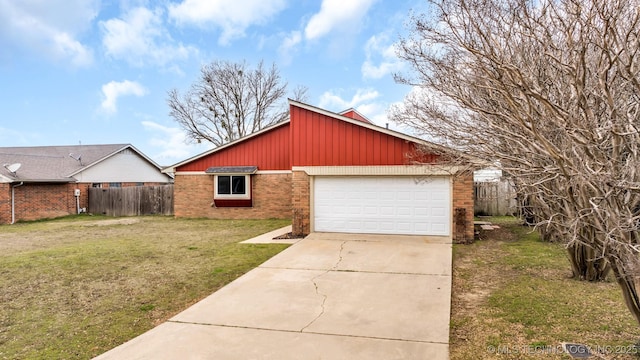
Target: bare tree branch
{"points": [[229, 101], [550, 90]]}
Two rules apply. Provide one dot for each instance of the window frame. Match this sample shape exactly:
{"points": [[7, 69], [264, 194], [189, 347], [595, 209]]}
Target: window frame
{"points": [[247, 187]]}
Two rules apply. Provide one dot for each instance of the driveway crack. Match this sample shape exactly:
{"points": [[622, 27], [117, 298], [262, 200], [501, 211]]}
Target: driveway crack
{"points": [[317, 287], [339, 256]]}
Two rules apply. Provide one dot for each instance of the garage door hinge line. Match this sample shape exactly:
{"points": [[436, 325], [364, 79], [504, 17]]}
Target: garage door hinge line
{"points": [[324, 296]]}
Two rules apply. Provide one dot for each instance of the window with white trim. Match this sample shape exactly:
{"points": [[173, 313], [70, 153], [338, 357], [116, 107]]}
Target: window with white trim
{"points": [[232, 186]]}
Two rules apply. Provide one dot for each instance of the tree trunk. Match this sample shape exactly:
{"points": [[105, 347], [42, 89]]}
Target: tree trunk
{"points": [[586, 264], [628, 286]]}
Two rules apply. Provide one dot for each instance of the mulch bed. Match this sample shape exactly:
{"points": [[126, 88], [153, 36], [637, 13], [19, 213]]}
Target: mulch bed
{"points": [[288, 235]]}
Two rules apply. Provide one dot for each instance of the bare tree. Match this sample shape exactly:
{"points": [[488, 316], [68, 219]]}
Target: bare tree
{"points": [[231, 100], [550, 89]]}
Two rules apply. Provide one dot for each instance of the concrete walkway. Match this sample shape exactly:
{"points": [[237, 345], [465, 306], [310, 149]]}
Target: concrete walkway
{"points": [[269, 238], [328, 296]]}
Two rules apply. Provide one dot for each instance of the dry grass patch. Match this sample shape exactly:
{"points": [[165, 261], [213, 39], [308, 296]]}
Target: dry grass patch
{"points": [[77, 287], [514, 298]]}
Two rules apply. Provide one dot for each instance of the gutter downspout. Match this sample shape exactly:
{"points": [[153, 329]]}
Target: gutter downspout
{"points": [[13, 202]]}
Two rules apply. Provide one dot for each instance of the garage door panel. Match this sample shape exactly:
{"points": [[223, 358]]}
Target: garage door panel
{"points": [[420, 196], [354, 210], [371, 210], [438, 228], [387, 211], [399, 205], [387, 226], [404, 227], [436, 195], [386, 196]]}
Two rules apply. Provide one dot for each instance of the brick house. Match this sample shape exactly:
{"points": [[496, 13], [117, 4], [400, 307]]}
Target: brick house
{"points": [[328, 172], [51, 181]]}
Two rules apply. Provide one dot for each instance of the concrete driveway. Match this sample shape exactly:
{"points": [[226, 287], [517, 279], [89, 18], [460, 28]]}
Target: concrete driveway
{"points": [[329, 296]]}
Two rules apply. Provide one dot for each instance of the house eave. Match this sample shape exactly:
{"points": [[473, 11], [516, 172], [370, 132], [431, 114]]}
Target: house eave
{"points": [[4, 179], [215, 170], [382, 170], [45, 181]]}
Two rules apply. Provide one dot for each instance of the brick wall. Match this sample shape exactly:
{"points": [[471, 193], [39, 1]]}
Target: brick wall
{"points": [[271, 195], [39, 201], [463, 199], [301, 202], [5, 203]]}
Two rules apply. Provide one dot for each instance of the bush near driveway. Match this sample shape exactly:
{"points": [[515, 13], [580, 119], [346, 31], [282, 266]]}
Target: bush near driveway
{"points": [[79, 286], [514, 298]]}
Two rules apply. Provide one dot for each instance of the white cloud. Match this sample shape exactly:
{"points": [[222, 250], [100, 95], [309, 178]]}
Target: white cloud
{"points": [[337, 15], [288, 46], [378, 48], [233, 17], [365, 101], [113, 90], [139, 37], [172, 142], [331, 100], [49, 27]]}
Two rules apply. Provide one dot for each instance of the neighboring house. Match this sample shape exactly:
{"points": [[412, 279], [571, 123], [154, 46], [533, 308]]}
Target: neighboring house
{"points": [[489, 174], [328, 173], [495, 193], [50, 181]]}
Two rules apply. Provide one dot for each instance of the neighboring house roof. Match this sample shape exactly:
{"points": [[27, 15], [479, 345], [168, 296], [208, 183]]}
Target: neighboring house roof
{"points": [[57, 163]]}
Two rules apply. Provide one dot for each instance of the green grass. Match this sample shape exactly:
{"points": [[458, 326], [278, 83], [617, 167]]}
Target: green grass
{"points": [[513, 291], [74, 288]]}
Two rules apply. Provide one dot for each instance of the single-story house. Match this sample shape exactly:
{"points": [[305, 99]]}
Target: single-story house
{"points": [[329, 172], [51, 181]]}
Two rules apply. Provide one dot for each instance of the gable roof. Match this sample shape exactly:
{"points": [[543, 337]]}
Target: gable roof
{"points": [[172, 168], [369, 125], [354, 114], [57, 163], [338, 116]]}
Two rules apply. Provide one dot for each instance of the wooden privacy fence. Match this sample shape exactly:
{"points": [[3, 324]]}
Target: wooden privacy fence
{"points": [[132, 200], [496, 198]]}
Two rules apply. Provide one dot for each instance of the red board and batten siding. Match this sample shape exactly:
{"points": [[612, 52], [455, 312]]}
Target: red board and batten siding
{"points": [[312, 139], [268, 151], [321, 140], [354, 115]]}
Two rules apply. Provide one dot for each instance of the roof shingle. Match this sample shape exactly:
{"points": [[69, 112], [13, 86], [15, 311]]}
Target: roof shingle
{"points": [[53, 163]]}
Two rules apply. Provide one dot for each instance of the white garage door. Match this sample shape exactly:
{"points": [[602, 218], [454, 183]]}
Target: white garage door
{"points": [[382, 205]]}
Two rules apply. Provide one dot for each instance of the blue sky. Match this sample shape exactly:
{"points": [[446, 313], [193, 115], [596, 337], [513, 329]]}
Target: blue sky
{"points": [[98, 72]]}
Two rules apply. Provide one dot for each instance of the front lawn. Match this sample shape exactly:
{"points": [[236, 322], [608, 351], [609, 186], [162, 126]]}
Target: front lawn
{"points": [[79, 286], [514, 298]]}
